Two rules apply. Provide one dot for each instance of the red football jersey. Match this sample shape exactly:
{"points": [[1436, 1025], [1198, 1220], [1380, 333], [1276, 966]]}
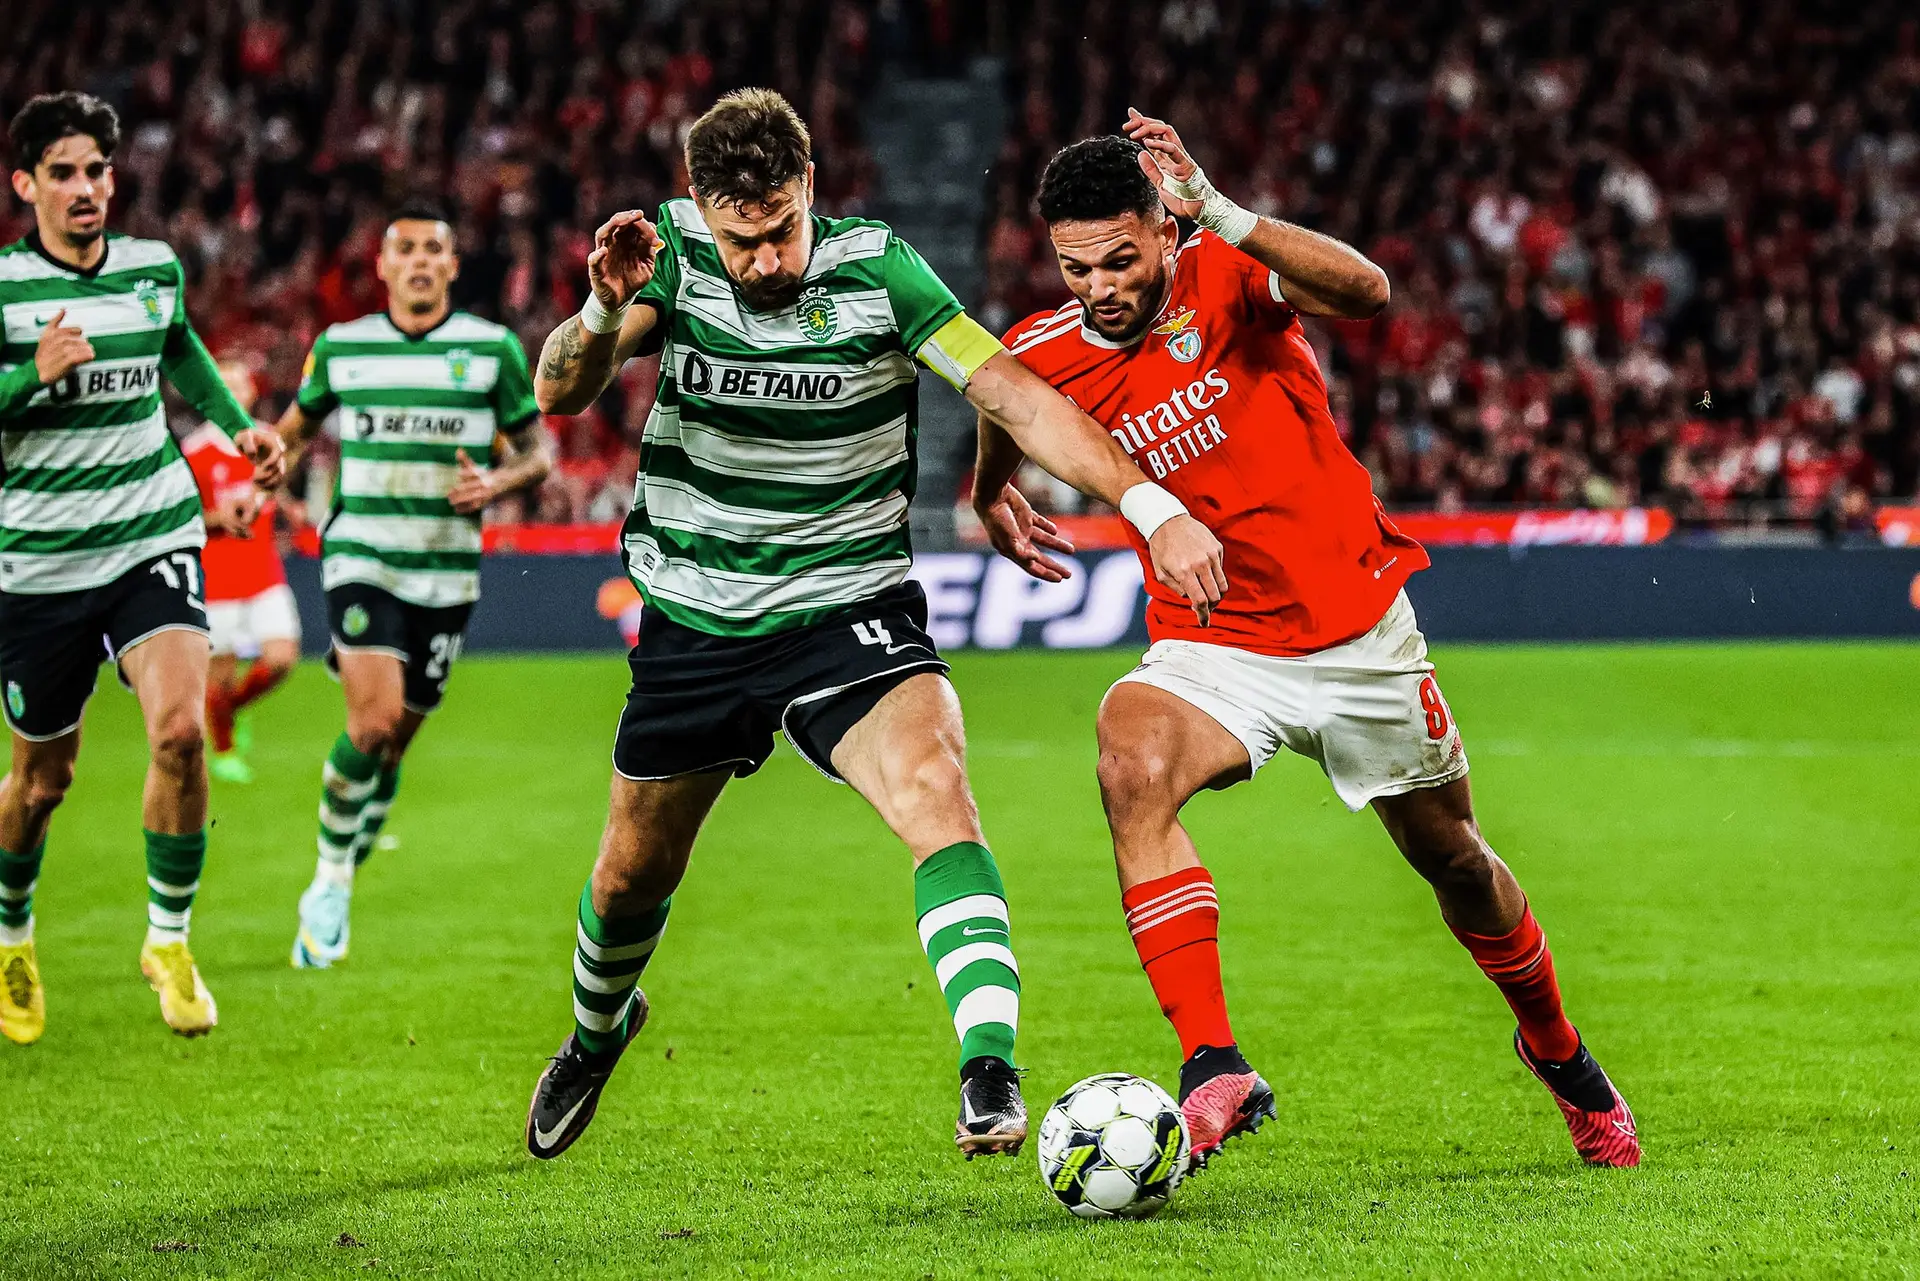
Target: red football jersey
{"points": [[235, 568], [1222, 402]]}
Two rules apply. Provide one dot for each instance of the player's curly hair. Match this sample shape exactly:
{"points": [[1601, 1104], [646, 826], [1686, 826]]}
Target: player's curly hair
{"points": [[748, 145], [49, 117], [1096, 178]]}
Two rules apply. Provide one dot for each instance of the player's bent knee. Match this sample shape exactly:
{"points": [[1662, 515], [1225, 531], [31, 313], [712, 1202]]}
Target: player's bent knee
{"points": [[1136, 776], [632, 878], [1460, 866], [931, 792], [46, 787], [376, 733], [178, 743], [937, 780]]}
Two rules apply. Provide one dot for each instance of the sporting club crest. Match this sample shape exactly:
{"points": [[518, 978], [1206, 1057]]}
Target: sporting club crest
{"points": [[354, 620], [1183, 338], [819, 316], [149, 295], [16, 701], [459, 365]]}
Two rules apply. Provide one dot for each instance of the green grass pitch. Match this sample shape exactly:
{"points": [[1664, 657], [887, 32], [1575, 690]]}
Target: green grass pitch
{"points": [[1722, 842]]}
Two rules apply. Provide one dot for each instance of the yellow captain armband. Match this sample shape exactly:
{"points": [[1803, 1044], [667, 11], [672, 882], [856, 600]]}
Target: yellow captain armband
{"points": [[958, 349]]}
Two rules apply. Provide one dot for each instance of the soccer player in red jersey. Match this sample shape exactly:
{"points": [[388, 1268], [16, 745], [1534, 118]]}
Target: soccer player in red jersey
{"points": [[1192, 356], [250, 609]]}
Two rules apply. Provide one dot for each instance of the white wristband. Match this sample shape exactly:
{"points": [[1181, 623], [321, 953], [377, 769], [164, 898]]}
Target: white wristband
{"points": [[596, 319], [1147, 507], [1217, 214]]}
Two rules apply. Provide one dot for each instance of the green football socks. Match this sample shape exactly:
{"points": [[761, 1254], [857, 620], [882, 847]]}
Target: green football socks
{"points": [[349, 782], [962, 912], [373, 815], [608, 958], [173, 878], [18, 872]]}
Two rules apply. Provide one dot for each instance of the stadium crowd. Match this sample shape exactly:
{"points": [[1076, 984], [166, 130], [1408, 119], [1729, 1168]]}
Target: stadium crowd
{"points": [[1642, 253], [266, 140]]}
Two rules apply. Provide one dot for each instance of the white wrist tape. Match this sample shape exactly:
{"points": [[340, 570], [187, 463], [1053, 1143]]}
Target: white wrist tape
{"points": [[1147, 507], [596, 319], [1217, 213]]}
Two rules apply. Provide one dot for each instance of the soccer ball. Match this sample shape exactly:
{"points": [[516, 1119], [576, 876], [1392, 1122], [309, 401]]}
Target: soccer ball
{"points": [[1114, 1146]]}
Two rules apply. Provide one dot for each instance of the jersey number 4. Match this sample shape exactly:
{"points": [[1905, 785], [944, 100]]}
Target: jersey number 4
{"points": [[876, 633]]}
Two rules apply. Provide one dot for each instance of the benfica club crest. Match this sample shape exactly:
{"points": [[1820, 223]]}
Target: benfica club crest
{"points": [[1183, 339]]}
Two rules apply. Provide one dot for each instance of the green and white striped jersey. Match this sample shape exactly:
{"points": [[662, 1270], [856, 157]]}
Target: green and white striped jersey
{"points": [[91, 481], [403, 408], [779, 458]]}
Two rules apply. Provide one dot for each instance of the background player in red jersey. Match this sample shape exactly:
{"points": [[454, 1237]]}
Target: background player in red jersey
{"points": [[1192, 356], [250, 609]]}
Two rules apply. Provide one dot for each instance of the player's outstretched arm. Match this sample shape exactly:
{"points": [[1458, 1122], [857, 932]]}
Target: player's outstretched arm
{"points": [[579, 358], [1068, 444], [1318, 274]]}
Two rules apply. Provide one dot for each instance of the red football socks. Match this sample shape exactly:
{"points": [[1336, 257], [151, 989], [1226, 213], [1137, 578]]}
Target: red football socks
{"points": [[1175, 922], [258, 680], [220, 719], [1521, 966]]}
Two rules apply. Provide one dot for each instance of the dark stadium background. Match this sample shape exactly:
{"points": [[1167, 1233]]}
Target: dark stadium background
{"points": [[1655, 262]]}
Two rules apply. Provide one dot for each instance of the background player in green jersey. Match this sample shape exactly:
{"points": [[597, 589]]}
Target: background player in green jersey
{"points": [[416, 395], [769, 538], [100, 536]]}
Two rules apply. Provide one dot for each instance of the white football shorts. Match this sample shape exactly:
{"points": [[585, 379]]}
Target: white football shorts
{"points": [[1369, 711], [239, 627]]}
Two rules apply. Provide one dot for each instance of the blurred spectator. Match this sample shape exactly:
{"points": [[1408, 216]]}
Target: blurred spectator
{"points": [[1640, 252], [265, 140]]}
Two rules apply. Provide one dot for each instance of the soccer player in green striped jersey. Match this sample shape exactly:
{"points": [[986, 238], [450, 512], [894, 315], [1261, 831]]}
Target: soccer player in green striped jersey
{"points": [[416, 395], [768, 537], [100, 536]]}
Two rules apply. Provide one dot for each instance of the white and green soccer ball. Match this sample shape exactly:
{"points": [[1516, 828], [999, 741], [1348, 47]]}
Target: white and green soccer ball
{"points": [[1114, 1146]]}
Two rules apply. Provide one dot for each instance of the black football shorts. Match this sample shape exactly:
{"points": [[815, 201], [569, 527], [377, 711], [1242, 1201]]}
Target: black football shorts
{"points": [[425, 638], [51, 646], [703, 702]]}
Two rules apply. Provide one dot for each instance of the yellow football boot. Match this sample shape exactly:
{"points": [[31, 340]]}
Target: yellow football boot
{"points": [[23, 1002], [185, 1003]]}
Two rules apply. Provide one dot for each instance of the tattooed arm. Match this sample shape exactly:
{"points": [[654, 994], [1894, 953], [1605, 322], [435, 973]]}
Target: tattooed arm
{"points": [[576, 362]]}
